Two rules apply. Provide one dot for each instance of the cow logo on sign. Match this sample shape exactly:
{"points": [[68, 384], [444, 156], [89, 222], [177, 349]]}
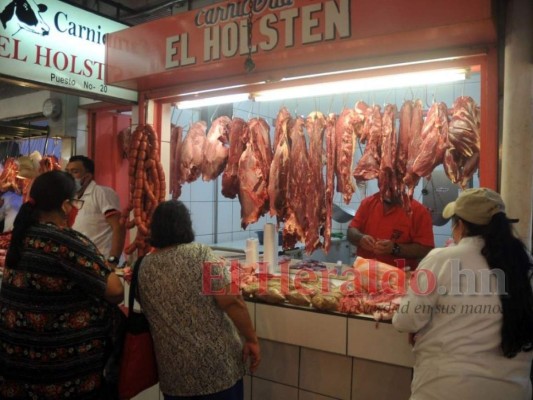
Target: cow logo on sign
{"points": [[26, 14]]}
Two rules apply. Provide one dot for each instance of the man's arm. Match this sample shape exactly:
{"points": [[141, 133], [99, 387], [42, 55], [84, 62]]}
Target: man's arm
{"points": [[119, 234], [359, 239], [403, 250]]}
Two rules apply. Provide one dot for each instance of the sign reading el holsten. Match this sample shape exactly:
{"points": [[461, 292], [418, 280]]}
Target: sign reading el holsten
{"points": [[276, 24], [57, 44]]}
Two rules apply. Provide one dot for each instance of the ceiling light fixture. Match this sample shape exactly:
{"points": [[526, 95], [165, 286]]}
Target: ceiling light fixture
{"points": [[363, 84], [383, 82], [211, 101]]}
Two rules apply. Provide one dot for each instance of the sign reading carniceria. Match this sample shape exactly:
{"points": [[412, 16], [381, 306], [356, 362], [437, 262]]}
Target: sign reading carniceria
{"points": [[277, 24], [51, 42]]}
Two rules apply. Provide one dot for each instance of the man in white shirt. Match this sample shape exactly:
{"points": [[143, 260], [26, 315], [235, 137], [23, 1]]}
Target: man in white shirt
{"points": [[99, 218]]}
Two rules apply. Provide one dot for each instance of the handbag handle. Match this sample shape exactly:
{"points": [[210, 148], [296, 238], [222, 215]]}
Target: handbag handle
{"points": [[134, 283]]}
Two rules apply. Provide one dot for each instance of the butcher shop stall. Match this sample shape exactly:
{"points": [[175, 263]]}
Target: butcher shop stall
{"points": [[25, 151], [274, 120]]}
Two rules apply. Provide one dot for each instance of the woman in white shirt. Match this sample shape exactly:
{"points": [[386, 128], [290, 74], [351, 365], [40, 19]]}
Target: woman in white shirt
{"points": [[469, 308]]}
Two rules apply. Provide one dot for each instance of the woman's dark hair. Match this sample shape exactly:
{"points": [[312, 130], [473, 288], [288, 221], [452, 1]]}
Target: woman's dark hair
{"points": [[48, 192], [504, 251], [171, 224]]}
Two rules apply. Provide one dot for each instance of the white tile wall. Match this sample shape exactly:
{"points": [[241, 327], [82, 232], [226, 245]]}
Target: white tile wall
{"points": [[304, 395], [279, 362], [309, 329], [225, 217], [326, 373], [267, 390], [394, 382], [393, 345]]}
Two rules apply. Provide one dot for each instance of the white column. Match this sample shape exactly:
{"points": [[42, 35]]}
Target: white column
{"points": [[517, 138]]}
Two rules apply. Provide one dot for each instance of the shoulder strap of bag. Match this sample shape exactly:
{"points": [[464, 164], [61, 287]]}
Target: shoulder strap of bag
{"points": [[134, 283]]}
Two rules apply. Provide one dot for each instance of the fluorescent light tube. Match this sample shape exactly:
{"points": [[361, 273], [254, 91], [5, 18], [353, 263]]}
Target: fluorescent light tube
{"points": [[211, 101], [363, 84]]}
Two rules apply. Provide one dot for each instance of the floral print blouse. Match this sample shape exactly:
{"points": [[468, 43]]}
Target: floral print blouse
{"points": [[54, 321]]}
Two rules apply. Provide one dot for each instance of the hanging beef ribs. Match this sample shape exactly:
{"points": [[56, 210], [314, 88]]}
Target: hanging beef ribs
{"points": [[348, 123], [260, 137], [415, 141], [252, 187], [278, 180], [434, 140], [254, 168], [387, 182], [404, 135], [315, 210], [175, 156], [368, 166], [462, 157], [282, 124], [216, 149], [331, 122], [238, 136], [296, 222], [192, 152], [364, 112]]}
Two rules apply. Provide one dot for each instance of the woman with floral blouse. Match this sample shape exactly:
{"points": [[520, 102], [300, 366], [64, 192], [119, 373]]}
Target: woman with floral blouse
{"points": [[56, 301]]}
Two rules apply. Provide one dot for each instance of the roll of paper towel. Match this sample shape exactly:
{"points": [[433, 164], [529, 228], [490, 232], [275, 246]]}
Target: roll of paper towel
{"points": [[270, 247], [252, 251]]}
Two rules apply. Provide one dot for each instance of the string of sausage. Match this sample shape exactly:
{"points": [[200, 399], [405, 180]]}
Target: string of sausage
{"points": [[147, 186]]}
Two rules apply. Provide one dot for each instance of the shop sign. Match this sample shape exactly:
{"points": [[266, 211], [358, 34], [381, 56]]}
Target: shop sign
{"points": [[51, 42], [222, 30], [213, 42]]}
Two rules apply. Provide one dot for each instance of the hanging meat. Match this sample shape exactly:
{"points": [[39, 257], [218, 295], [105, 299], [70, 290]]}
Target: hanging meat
{"points": [[462, 157], [387, 182], [315, 124], [404, 135], [368, 166], [8, 177], [238, 135], [175, 161], [216, 148], [147, 186], [331, 122], [281, 128], [192, 152], [260, 137], [254, 168], [348, 123], [363, 111], [49, 163], [415, 141], [296, 222], [434, 140], [278, 180]]}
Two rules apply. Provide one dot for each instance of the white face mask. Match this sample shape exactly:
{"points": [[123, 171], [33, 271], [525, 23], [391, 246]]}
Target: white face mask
{"points": [[77, 185]]}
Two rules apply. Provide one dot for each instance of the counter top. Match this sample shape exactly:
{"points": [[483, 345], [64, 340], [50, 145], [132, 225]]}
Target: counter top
{"points": [[238, 246]]}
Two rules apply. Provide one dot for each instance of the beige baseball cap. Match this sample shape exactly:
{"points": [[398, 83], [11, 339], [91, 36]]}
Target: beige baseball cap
{"points": [[476, 206]]}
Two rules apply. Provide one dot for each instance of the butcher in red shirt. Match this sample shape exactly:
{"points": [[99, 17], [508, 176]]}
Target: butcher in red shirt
{"points": [[384, 231]]}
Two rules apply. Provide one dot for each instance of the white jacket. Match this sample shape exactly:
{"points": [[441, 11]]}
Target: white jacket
{"points": [[454, 306]]}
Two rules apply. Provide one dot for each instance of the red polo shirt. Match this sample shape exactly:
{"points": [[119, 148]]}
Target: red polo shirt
{"points": [[395, 225]]}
